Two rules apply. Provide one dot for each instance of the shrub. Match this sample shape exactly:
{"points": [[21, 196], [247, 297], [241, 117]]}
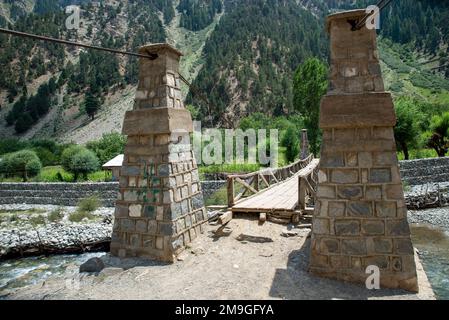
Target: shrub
{"points": [[89, 204], [56, 215], [23, 163], [79, 161]]}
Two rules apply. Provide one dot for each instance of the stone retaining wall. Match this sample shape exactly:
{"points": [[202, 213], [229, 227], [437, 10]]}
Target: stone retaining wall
{"points": [[413, 172], [423, 171], [69, 194]]}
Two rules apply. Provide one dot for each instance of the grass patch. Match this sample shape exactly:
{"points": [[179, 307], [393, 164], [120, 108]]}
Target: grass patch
{"points": [[78, 216], [38, 220], [219, 197], [89, 204], [56, 215]]}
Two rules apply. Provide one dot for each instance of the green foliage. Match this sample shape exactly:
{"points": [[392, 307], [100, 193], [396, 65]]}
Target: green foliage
{"points": [[198, 14], [108, 147], [79, 161], [437, 136], [219, 197], [12, 145], [408, 127], [89, 204], [259, 44], [291, 142], [309, 85], [91, 105], [24, 164], [56, 215], [78, 216]]}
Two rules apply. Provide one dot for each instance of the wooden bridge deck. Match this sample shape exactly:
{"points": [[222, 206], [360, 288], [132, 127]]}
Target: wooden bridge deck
{"points": [[279, 198]]}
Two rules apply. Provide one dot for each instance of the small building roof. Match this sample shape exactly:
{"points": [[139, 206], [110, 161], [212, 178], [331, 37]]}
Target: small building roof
{"points": [[114, 163]]}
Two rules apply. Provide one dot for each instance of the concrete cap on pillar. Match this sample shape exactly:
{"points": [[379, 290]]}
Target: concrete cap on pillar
{"points": [[159, 48], [357, 15]]}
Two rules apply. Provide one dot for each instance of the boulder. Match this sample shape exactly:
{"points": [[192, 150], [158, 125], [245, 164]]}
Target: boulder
{"points": [[93, 265]]}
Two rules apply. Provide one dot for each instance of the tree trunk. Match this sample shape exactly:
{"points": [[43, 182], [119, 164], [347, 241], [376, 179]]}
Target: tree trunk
{"points": [[405, 150]]}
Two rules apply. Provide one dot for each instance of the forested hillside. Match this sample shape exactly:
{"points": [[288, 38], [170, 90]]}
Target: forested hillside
{"points": [[245, 62]]}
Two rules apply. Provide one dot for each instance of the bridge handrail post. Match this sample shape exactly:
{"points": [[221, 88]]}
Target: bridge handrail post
{"points": [[230, 191]]}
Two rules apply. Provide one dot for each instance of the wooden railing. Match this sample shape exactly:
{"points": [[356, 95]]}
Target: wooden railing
{"points": [[307, 184], [251, 183]]}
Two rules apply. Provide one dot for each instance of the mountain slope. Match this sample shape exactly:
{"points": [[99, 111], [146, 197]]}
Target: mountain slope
{"points": [[240, 55]]}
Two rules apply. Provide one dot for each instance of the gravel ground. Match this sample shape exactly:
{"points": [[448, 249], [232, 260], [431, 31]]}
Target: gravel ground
{"points": [[438, 217]]}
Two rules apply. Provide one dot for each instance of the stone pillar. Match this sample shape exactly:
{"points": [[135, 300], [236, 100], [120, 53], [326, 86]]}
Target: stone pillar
{"points": [[304, 153], [160, 206], [360, 218]]}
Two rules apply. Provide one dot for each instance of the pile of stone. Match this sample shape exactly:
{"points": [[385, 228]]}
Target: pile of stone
{"points": [[55, 238], [427, 196]]}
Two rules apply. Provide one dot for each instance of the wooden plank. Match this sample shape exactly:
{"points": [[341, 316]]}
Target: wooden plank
{"points": [[225, 218]]}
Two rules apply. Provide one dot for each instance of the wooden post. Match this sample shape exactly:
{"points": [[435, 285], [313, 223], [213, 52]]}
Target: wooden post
{"points": [[301, 193], [256, 182], [230, 182]]}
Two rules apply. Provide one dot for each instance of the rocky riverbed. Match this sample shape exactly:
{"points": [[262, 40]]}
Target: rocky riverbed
{"points": [[31, 230]]}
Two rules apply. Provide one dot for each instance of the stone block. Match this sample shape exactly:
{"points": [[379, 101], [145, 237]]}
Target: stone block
{"points": [[403, 247], [329, 245], [386, 209], [320, 261], [127, 225], [354, 247], [394, 192], [346, 227], [326, 192], [351, 159], [373, 193], [345, 176], [322, 176], [398, 227], [373, 227], [332, 160], [135, 210], [349, 192], [339, 262], [336, 209], [320, 226], [380, 175], [384, 158], [141, 226], [343, 111], [382, 245], [379, 261], [360, 209]]}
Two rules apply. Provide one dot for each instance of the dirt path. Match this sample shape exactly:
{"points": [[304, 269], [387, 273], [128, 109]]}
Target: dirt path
{"points": [[252, 262]]}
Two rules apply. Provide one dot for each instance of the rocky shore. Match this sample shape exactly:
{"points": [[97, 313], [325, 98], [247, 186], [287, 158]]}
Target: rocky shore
{"points": [[26, 230]]}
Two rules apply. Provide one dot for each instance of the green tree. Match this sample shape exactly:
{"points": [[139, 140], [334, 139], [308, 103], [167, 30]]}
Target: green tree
{"points": [[291, 142], [24, 163], [407, 130], [79, 161], [437, 136], [91, 105], [309, 85], [108, 147]]}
